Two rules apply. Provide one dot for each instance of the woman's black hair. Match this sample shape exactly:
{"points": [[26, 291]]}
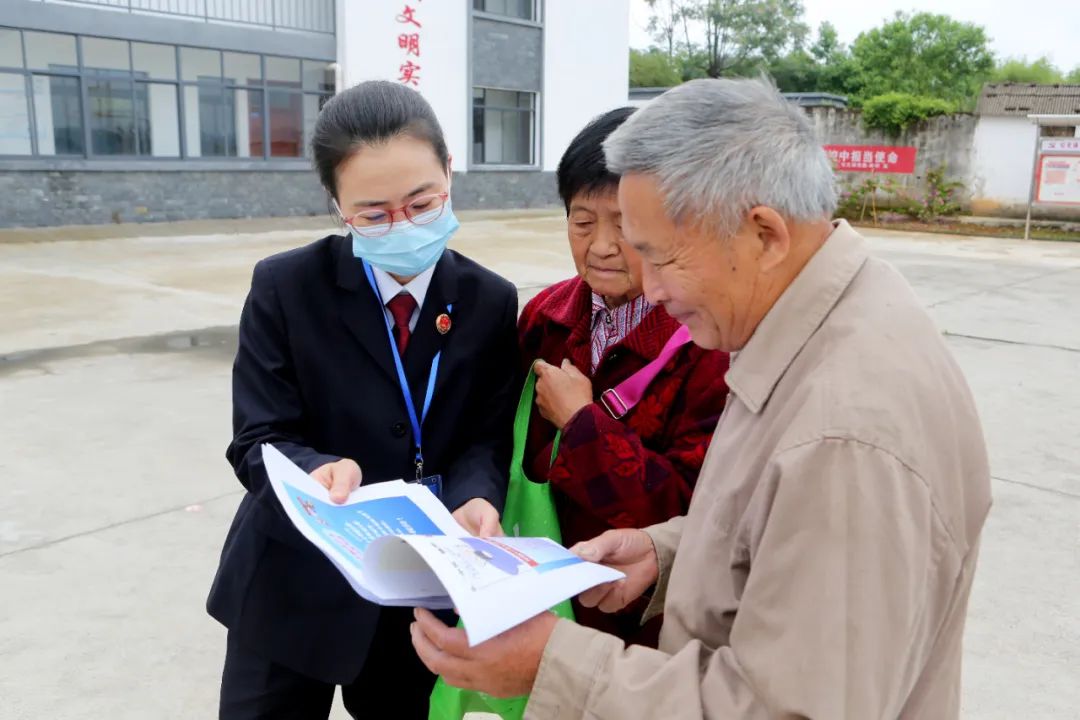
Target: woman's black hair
{"points": [[371, 113], [583, 168]]}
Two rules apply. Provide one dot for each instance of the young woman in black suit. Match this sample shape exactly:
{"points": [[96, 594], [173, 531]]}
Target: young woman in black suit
{"points": [[373, 355]]}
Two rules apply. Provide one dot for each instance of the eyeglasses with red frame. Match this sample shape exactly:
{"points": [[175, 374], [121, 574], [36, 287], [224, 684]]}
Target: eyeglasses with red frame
{"points": [[377, 222]]}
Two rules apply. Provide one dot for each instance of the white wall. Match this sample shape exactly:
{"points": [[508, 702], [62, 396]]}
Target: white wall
{"points": [[367, 36], [1002, 170], [242, 123], [14, 117], [192, 123], [586, 67], [164, 121], [43, 115]]}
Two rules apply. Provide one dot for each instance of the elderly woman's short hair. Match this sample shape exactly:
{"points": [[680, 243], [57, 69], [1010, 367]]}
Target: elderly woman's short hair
{"points": [[583, 169]]}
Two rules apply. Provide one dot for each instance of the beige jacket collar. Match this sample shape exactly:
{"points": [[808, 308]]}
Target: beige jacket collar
{"points": [[793, 319]]}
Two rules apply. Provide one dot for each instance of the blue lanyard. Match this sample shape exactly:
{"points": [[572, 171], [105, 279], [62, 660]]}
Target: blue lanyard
{"points": [[403, 382]]}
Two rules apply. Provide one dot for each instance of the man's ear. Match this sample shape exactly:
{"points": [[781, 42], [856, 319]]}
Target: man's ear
{"points": [[772, 232]]}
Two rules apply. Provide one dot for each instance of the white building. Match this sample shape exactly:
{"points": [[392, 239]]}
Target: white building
{"points": [[512, 81], [177, 109], [1004, 143]]}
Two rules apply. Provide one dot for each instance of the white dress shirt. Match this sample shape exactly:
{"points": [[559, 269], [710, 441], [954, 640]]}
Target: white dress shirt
{"points": [[390, 288]]}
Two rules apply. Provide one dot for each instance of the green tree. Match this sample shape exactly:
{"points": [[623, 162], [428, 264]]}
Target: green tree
{"points": [[924, 55], [796, 72], [826, 67], [652, 69], [1074, 76], [723, 38], [1019, 70], [665, 25], [827, 48]]}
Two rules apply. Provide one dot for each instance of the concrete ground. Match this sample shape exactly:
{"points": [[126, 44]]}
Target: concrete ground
{"points": [[115, 348]]}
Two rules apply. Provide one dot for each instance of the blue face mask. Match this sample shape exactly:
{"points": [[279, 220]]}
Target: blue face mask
{"points": [[408, 249]]}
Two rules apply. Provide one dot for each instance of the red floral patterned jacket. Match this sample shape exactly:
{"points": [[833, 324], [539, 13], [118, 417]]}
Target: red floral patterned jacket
{"points": [[624, 473]]}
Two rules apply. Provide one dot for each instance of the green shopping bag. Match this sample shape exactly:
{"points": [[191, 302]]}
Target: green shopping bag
{"points": [[530, 512]]}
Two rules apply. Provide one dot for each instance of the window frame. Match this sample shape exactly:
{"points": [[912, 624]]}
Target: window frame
{"points": [[534, 130], [141, 79], [535, 21]]}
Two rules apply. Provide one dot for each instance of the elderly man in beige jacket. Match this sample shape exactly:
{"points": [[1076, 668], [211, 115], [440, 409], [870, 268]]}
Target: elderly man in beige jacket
{"points": [[824, 567]]}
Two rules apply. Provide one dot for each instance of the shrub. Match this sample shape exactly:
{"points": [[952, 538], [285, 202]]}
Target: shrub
{"points": [[876, 193], [894, 112], [940, 197]]}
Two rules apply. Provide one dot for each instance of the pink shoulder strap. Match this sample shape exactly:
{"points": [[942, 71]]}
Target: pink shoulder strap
{"points": [[618, 401]]}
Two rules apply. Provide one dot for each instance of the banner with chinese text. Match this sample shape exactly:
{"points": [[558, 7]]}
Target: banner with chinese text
{"points": [[872, 158]]}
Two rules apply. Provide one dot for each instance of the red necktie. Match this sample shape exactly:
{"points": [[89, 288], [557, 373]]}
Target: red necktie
{"points": [[401, 308]]}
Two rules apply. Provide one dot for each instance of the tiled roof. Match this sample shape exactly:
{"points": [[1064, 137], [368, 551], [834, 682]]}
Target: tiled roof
{"points": [[1023, 99]]}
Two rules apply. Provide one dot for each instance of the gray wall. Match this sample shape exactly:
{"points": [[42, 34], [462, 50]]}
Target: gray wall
{"points": [[35, 198], [496, 190], [946, 140], [507, 55], [32, 198]]}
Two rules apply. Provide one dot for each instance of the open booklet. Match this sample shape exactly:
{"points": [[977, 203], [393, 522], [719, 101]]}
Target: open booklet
{"points": [[396, 544]]}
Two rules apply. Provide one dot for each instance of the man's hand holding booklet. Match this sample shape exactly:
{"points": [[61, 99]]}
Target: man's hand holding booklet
{"points": [[396, 544]]}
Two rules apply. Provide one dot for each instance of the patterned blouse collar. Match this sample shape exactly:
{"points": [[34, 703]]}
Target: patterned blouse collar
{"points": [[610, 326]]}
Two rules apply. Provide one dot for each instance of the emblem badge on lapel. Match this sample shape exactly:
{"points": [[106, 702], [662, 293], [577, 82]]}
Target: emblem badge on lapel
{"points": [[443, 324]]}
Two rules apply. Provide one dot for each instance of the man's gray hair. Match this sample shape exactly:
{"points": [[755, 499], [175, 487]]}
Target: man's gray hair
{"points": [[721, 147]]}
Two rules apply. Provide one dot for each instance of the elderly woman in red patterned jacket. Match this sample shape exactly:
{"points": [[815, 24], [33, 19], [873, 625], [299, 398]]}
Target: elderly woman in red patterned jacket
{"points": [[598, 347]]}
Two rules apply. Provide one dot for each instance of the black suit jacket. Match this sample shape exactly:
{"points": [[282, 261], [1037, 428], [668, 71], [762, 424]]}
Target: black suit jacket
{"points": [[314, 375]]}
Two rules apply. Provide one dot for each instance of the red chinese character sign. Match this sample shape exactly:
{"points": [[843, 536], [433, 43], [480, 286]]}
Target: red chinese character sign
{"points": [[409, 42], [872, 158], [409, 75], [1061, 146], [408, 15]]}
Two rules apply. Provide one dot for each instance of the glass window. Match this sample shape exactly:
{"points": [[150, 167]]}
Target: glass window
{"points": [[256, 123], [111, 114], [245, 131], [10, 49], [207, 110], [1066, 131], [58, 115], [318, 76], [504, 99], [158, 120], [14, 115], [100, 54], [522, 9], [286, 124], [200, 64], [282, 71], [157, 62], [503, 127], [223, 122], [312, 106], [153, 99], [49, 51], [213, 111], [242, 69]]}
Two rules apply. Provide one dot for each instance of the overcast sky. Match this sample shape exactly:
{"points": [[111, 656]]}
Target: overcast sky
{"points": [[1015, 27]]}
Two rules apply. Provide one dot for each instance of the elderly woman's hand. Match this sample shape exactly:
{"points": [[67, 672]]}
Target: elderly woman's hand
{"points": [[561, 391]]}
